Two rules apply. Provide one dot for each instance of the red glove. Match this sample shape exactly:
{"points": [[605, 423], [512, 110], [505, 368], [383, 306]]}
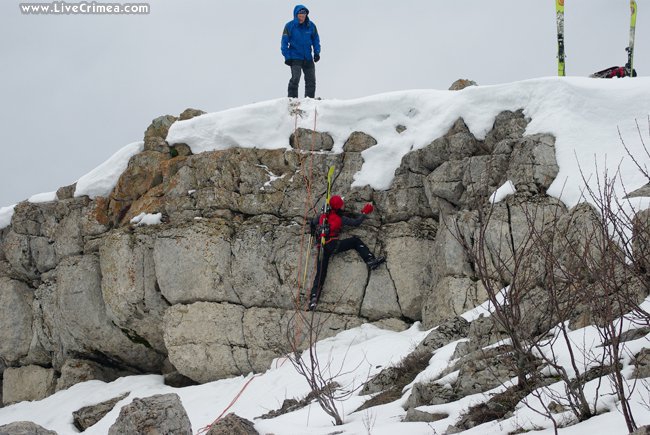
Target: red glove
{"points": [[367, 209]]}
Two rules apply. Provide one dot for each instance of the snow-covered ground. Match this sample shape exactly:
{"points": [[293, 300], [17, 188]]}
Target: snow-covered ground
{"points": [[583, 114]]}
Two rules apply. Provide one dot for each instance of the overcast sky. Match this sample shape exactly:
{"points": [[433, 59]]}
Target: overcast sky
{"points": [[75, 89]]}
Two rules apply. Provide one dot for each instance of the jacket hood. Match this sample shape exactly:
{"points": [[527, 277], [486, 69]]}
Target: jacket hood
{"points": [[297, 8]]}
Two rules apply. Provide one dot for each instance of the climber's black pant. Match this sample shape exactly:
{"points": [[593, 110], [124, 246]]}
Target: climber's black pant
{"points": [[334, 247], [298, 66]]}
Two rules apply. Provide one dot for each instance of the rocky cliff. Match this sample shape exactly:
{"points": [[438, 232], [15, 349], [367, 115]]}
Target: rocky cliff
{"points": [[213, 290]]}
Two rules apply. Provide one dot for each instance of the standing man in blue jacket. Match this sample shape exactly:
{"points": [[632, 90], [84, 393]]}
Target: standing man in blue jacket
{"points": [[298, 38]]}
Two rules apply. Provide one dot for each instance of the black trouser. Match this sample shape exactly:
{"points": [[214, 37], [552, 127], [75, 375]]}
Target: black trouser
{"points": [[331, 248], [310, 78]]}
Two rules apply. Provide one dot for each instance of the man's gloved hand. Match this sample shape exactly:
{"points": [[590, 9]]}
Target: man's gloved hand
{"points": [[287, 62], [316, 57], [367, 209]]}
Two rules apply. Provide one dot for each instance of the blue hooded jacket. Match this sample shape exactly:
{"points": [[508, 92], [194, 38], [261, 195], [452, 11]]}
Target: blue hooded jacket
{"points": [[298, 39]]}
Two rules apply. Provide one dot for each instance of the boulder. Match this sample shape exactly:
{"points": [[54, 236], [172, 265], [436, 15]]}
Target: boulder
{"points": [[358, 141], [24, 428], [232, 424], [27, 383], [305, 139], [89, 415], [159, 414]]}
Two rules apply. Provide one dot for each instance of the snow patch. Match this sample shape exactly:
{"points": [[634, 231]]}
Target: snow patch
{"points": [[508, 188], [147, 219], [101, 180], [6, 213]]}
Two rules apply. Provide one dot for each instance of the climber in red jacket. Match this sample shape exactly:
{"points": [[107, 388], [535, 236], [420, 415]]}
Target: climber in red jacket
{"points": [[335, 222]]}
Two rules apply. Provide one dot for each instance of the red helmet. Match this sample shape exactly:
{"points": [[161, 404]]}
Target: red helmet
{"points": [[336, 202]]}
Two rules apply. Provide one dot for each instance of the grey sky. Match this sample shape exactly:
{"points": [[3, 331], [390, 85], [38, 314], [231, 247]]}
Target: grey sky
{"points": [[75, 89]]}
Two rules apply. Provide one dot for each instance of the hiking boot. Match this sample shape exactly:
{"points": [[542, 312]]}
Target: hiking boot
{"points": [[312, 304], [376, 262]]}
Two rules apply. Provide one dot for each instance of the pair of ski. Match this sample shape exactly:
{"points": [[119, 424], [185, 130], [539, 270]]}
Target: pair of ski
{"points": [[615, 71]]}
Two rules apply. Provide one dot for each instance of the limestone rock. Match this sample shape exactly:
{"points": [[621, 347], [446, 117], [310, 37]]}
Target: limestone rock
{"points": [[15, 320], [176, 380], [66, 192], [642, 363], [397, 205], [89, 415], [451, 257], [189, 114], [450, 331], [232, 424], [380, 299], [75, 320], [305, 139], [533, 167], [641, 238], [194, 263], [17, 249], [461, 84], [343, 290], [430, 393], [75, 371], [27, 383], [413, 415], [24, 428], [159, 414], [483, 332], [205, 340], [410, 264], [129, 287], [507, 126], [457, 144], [156, 133], [484, 370], [451, 297], [358, 142], [210, 341]]}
